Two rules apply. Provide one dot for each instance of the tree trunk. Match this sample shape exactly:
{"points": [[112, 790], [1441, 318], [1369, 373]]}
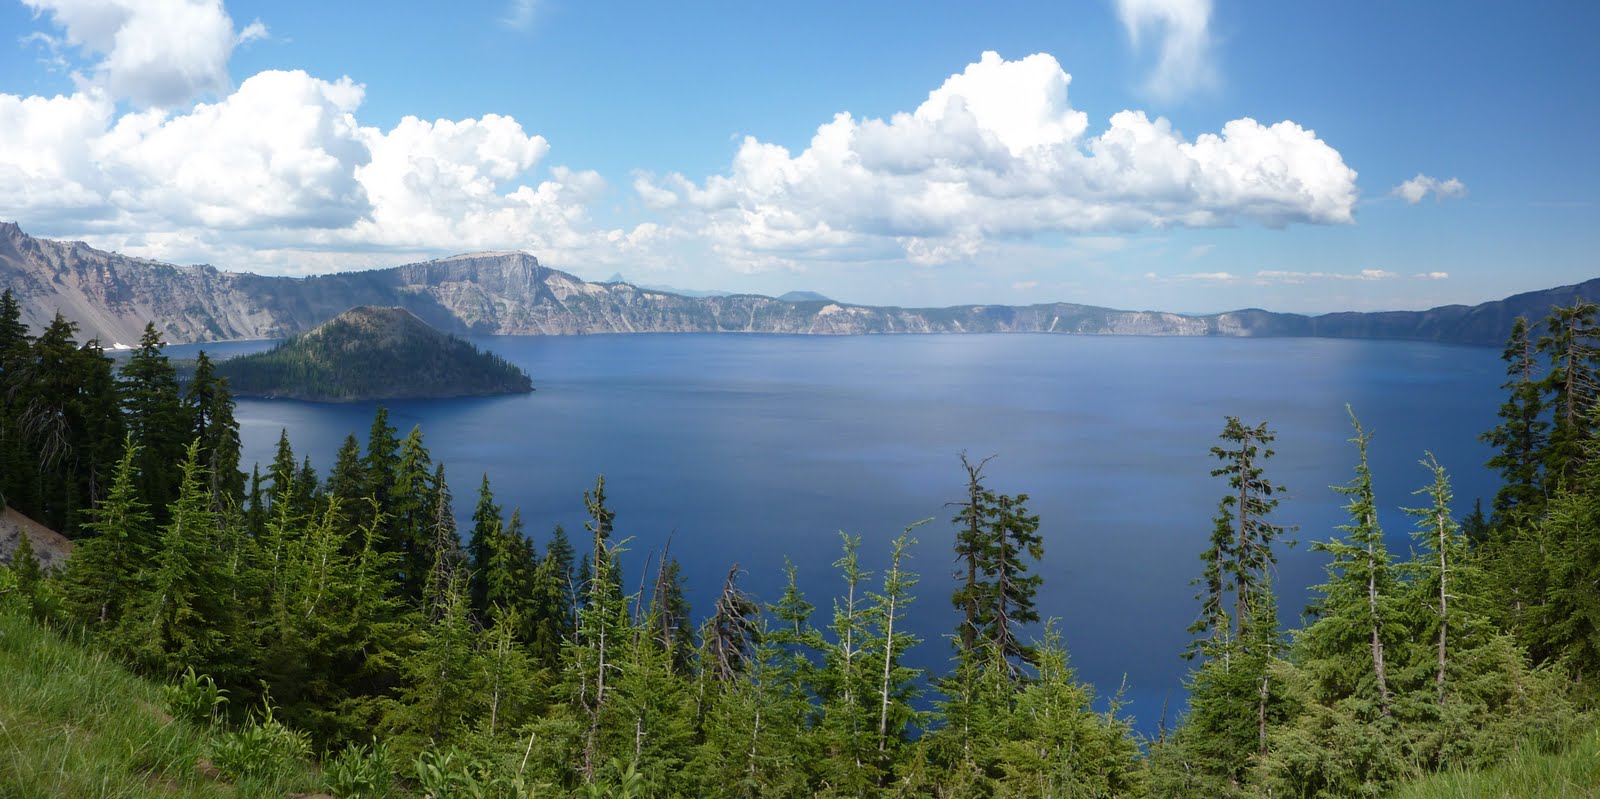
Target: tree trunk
{"points": [[1377, 639]]}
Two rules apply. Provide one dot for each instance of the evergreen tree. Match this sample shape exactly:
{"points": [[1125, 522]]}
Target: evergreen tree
{"points": [[210, 409], [601, 518], [1521, 436], [184, 617], [104, 570], [1357, 626], [486, 524], [896, 682], [413, 515], [155, 415], [974, 519], [554, 619], [1572, 387], [669, 606], [280, 496], [846, 681], [438, 698], [348, 480], [731, 634], [1249, 555], [382, 463]]}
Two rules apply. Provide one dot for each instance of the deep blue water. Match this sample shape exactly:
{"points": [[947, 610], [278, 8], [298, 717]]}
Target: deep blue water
{"points": [[750, 448]]}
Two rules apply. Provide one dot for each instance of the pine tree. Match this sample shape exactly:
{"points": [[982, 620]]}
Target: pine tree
{"points": [[731, 634], [155, 415], [1357, 624], [381, 464], [601, 518], [184, 617], [438, 698], [896, 682], [1521, 436], [348, 480], [413, 515], [1572, 386], [1250, 554], [104, 570], [845, 684], [486, 524], [554, 612], [210, 409], [669, 608], [973, 520], [280, 496]]}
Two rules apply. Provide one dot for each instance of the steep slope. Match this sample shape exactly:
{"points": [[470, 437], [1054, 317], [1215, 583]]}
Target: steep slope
{"points": [[112, 296], [370, 353], [75, 724]]}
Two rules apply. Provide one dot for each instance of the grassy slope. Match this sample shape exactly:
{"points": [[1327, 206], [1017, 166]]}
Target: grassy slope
{"points": [[1573, 774], [75, 724]]}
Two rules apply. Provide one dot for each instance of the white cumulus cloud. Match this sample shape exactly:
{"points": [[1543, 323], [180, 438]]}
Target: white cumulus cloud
{"points": [[1415, 189], [153, 52], [1183, 31], [282, 169], [998, 151]]}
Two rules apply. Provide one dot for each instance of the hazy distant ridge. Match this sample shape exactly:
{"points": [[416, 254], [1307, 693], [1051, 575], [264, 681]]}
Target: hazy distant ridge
{"points": [[112, 296]]}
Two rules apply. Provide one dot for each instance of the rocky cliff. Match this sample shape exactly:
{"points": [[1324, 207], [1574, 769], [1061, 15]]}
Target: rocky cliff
{"points": [[112, 296]]}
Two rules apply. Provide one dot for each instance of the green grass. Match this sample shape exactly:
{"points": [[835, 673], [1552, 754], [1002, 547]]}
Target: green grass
{"points": [[73, 723], [1570, 774]]}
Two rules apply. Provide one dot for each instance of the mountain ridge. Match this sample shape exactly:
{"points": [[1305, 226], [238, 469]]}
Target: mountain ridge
{"points": [[111, 296]]}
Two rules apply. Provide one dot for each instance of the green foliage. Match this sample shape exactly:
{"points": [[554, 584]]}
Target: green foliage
{"points": [[75, 724], [195, 698], [263, 749], [373, 353], [361, 771]]}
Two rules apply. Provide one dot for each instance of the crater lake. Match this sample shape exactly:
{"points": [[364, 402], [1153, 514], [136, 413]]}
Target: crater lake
{"points": [[750, 449]]}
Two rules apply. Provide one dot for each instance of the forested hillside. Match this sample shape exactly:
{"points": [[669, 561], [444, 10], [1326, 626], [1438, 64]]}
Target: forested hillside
{"points": [[340, 602], [370, 353]]}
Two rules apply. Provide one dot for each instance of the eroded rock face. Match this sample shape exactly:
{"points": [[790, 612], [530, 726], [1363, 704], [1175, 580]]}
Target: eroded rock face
{"points": [[112, 296]]}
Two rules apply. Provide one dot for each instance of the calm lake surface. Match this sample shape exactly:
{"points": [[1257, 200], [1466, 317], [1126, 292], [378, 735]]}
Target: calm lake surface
{"points": [[753, 448]]}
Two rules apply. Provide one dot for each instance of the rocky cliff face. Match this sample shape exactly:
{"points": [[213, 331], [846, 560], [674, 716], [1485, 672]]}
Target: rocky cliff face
{"points": [[112, 296]]}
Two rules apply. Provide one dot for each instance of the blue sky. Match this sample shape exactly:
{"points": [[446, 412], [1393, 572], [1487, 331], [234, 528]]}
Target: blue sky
{"points": [[1174, 154]]}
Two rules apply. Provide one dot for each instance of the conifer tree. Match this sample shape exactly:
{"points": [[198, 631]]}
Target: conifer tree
{"points": [[413, 515], [282, 473], [1015, 541], [731, 634], [155, 415], [486, 524], [104, 570], [674, 631], [184, 617], [846, 681], [381, 464], [554, 608], [1572, 387], [210, 408], [974, 519], [896, 682], [348, 480], [600, 520], [1521, 436], [1357, 624], [1249, 555], [438, 698]]}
